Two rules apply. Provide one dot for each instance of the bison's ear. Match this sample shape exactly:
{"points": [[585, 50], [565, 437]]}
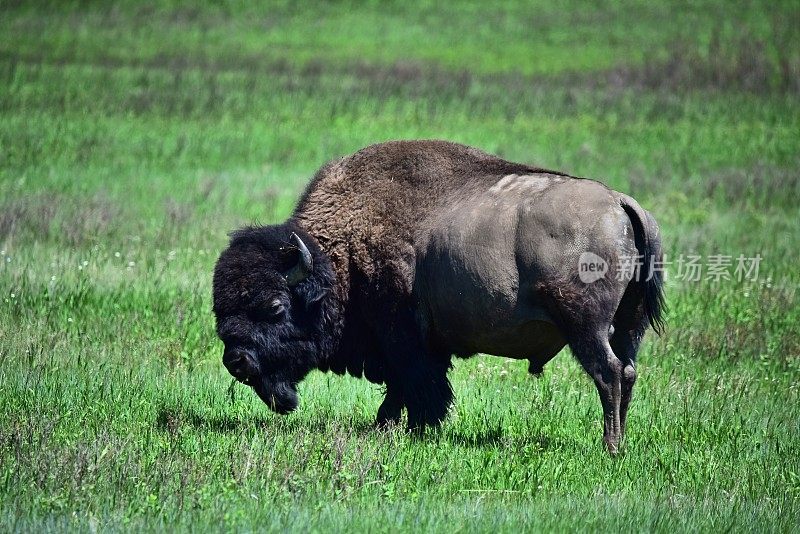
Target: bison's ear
{"points": [[305, 263], [312, 295]]}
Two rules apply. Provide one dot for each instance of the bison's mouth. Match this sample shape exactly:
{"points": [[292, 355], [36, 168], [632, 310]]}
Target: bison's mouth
{"points": [[281, 397]]}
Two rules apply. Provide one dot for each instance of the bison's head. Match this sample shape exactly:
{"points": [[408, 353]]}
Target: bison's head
{"points": [[275, 310]]}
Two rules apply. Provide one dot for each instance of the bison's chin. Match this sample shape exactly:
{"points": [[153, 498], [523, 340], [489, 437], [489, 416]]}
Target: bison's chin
{"points": [[281, 397]]}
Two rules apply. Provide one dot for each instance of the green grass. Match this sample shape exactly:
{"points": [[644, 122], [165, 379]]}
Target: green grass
{"points": [[133, 138]]}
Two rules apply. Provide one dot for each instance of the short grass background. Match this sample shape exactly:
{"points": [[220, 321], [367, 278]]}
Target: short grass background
{"points": [[134, 136]]}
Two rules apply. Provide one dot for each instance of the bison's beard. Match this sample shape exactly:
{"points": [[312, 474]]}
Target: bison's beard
{"points": [[281, 397]]}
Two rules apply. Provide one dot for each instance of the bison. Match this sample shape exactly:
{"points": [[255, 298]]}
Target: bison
{"points": [[406, 253]]}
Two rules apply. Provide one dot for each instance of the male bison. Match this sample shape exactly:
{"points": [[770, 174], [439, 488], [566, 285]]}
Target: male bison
{"points": [[408, 252]]}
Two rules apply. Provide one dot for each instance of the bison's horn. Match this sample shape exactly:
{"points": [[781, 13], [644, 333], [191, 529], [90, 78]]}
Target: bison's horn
{"points": [[305, 264]]}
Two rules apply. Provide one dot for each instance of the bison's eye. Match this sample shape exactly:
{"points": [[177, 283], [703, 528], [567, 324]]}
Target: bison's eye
{"points": [[271, 311], [276, 308]]}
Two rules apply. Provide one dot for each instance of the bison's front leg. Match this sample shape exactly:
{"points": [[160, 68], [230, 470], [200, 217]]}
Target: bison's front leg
{"points": [[535, 367], [391, 408], [418, 374], [427, 394]]}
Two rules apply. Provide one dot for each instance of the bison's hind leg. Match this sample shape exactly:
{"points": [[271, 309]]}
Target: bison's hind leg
{"points": [[625, 344], [594, 352], [608, 354], [631, 324], [588, 316]]}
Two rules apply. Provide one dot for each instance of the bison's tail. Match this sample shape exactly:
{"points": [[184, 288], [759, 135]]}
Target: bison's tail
{"points": [[651, 276]]}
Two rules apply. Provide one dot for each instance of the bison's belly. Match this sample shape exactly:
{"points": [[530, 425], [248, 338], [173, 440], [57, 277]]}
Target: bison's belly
{"points": [[470, 300], [533, 340]]}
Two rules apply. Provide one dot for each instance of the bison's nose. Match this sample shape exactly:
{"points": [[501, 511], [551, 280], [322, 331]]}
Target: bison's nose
{"points": [[240, 364]]}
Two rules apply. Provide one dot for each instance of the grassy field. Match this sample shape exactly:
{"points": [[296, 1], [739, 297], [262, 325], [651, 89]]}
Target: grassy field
{"points": [[133, 138]]}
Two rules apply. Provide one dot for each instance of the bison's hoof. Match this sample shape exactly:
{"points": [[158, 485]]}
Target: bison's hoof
{"points": [[612, 448], [535, 369], [386, 424]]}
